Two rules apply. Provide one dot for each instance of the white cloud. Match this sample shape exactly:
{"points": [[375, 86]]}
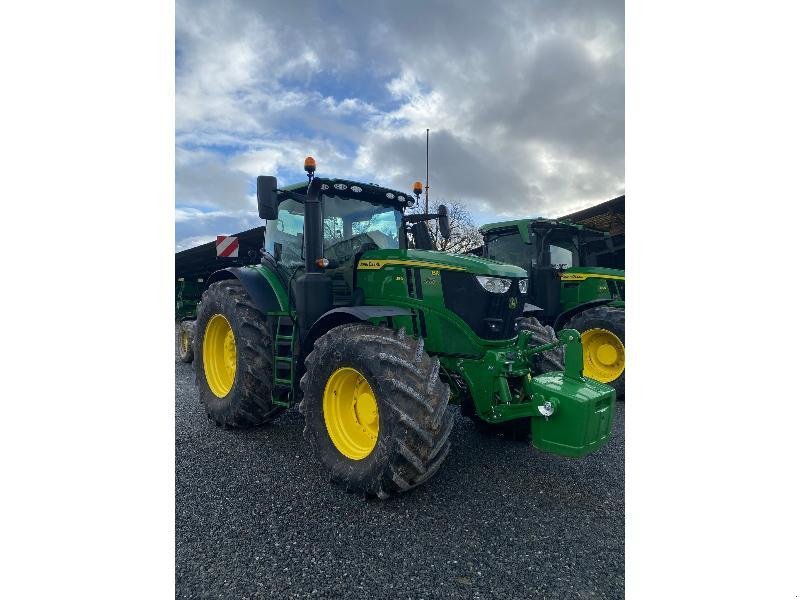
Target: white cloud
{"points": [[525, 100], [191, 242]]}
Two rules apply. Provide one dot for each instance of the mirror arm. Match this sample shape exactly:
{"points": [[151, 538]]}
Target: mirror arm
{"points": [[301, 198], [420, 218]]}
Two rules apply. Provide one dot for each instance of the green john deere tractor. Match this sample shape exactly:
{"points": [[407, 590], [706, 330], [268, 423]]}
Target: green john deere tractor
{"points": [[566, 290], [374, 337]]}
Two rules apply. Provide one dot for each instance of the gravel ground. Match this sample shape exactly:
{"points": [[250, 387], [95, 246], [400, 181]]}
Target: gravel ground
{"points": [[256, 517]]}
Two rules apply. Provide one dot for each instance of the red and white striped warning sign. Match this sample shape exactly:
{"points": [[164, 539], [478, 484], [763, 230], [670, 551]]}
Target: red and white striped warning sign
{"points": [[227, 246]]}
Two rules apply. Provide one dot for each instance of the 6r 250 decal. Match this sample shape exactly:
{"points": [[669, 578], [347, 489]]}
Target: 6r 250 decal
{"points": [[582, 276], [369, 264]]}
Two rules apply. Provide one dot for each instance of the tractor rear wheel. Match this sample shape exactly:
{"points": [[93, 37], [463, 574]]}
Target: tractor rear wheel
{"points": [[375, 409], [602, 332], [544, 362], [186, 341], [233, 364]]}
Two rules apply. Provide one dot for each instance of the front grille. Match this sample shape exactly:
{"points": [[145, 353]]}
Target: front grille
{"points": [[481, 309]]}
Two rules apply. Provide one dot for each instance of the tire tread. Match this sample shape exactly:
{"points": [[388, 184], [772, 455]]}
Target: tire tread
{"points": [[421, 424], [251, 404]]}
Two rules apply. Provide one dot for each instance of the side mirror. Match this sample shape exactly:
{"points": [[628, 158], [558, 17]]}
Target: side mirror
{"points": [[267, 193], [444, 222]]}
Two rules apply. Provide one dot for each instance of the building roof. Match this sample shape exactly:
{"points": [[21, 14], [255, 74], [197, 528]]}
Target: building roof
{"points": [[606, 216]]}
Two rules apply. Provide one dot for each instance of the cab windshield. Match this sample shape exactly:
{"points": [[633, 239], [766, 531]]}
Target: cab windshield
{"points": [[349, 226], [510, 249], [563, 256], [561, 246]]}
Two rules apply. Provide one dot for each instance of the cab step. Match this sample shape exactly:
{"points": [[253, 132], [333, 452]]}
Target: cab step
{"points": [[283, 362]]}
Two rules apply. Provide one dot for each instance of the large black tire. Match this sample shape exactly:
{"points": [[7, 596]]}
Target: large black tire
{"points": [[543, 362], [249, 401], [603, 317], [186, 341], [414, 425], [549, 360]]}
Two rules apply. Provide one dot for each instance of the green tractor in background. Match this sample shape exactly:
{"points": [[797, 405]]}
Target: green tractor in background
{"points": [[351, 315], [566, 289]]}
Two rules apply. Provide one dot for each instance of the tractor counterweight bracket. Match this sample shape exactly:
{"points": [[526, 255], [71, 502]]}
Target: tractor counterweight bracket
{"points": [[573, 350], [573, 353]]}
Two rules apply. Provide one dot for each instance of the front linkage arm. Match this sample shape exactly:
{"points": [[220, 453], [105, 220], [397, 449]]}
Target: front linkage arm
{"points": [[534, 403], [573, 350], [571, 414]]}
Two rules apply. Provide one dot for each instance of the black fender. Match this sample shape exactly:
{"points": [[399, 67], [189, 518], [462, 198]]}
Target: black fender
{"points": [[348, 314], [258, 288], [568, 314]]}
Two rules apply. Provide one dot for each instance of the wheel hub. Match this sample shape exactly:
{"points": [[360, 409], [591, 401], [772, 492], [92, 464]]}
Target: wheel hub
{"points": [[366, 409], [350, 410], [603, 355], [607, 354], [230, 351], [219, 355]]}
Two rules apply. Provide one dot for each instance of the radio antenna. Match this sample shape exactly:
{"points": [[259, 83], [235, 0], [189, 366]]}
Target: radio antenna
{"points": [[427, 133]]}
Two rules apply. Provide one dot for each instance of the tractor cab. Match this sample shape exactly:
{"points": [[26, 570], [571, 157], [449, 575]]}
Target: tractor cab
{"points": [[546, 248], [316, 233], [355, 219]]}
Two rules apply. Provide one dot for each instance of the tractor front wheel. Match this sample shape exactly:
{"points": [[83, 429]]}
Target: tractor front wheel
{"points": [[602, 332], [375, 409], [233, 362]]}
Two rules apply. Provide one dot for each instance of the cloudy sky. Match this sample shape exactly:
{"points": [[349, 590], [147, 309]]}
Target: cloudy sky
{"points": [[524, 100]]}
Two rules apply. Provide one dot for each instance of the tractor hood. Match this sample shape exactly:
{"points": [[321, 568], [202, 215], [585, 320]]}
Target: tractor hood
{"points": [[577, 273], [376, 259]]}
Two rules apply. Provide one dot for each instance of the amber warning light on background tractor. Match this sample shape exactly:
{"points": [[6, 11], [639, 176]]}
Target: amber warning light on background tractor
{"points": [[310, 165], [417, 188]]}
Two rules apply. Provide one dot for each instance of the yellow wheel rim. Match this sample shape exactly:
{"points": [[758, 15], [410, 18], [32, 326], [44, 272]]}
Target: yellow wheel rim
{"points": [[219, 355], [603, 355], [184, 342], [351, 413]]}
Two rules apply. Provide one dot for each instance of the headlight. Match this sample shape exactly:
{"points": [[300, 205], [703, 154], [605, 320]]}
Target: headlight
{"points": [[523, 286], [496, 285]]}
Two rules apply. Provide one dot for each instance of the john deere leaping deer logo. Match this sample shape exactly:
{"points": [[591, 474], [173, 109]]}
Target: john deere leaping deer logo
{"points": [[512, 303]]}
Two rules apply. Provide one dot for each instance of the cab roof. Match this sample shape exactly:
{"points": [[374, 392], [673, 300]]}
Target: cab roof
{"points": [[523, 225], [345, 188]]}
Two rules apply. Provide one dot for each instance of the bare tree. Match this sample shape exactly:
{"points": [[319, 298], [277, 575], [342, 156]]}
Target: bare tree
{"points": [[464, 235]]}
